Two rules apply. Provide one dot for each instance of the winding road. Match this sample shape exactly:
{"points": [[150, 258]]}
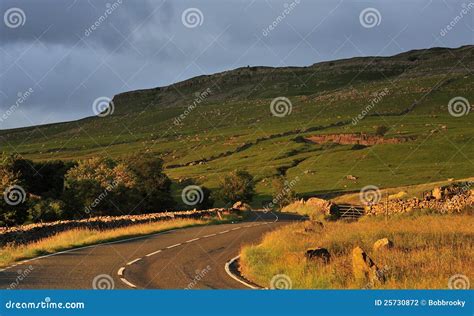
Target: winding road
{"points": [[193, 258]]}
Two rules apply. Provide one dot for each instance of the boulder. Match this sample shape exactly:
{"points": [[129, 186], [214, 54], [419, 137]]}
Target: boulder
{"points": [[365, 270], [321, 254], [241, 206], [323, 206], [437, 193], [383, 244]]}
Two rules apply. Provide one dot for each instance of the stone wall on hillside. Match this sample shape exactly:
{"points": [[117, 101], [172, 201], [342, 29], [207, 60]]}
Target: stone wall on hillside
{"points": [[448, 205], [356, 139], [33, 232]]}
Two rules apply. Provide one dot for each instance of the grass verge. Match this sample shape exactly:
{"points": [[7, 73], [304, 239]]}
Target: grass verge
{"points": [[76, 238], [428, 250]]}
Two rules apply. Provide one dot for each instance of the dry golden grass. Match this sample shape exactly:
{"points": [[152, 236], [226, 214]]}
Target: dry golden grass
{"points": [[428, 249], [83, 237]]}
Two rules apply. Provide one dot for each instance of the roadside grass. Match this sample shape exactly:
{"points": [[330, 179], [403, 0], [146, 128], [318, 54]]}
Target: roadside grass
{"points": [[82, 237], [428, 250]]}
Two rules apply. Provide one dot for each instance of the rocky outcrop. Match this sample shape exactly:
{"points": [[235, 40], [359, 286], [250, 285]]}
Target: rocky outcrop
{"points": [[365, 270], [356, 139], [322, 206], [33, 232]]}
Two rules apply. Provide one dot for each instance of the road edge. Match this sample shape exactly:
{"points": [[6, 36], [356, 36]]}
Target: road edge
{"points": [[238, 277]]}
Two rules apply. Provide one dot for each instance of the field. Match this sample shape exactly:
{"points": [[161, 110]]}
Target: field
{"points": [[233, 128], [428, 250]]}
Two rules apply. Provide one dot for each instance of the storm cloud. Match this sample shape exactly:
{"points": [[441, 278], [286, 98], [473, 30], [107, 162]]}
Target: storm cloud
{"points": [[67, 53]]}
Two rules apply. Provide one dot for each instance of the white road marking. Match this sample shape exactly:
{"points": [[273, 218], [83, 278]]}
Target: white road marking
{"points": [[236, 228], [225, 231], [209, 235], [153, 253], [91, 246], [128, 283], [227, 270], [134, 261], [191, 240], [120, 271], [172, 246]]}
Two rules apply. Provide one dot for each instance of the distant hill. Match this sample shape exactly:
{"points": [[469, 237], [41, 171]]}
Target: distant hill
{"points": [[231, 126]]}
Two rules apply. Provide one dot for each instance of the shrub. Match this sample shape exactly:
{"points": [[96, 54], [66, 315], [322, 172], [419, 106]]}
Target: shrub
{"points": [[381, 130], [283, 194], [237, 186], [46, 211]]}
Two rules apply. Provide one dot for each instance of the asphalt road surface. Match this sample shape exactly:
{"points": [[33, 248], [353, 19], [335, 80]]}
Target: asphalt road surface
{"points": [[191, 258]]}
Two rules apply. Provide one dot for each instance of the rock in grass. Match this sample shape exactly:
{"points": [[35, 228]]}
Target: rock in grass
{"points": [[365, 270], [383, 244], [241, 206], [321, 254], [323, 206]]}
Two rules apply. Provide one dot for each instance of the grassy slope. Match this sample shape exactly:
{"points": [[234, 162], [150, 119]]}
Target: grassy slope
{"points": [[238, 113]]}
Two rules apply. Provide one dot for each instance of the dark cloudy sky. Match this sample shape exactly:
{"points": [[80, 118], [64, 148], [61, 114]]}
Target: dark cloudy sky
{"points": [[48, 45]]}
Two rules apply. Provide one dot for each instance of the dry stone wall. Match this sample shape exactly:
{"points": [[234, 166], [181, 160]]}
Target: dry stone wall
{"points": [[33, 232], [453, 204]]}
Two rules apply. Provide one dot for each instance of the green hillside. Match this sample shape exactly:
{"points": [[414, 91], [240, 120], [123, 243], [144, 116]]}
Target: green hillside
{"points": [[234, 128]]}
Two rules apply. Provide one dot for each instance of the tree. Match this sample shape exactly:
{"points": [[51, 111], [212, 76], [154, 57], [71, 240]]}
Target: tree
{"points": [[152, 185], [237, 186], [13, 211], [103, 170]]}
